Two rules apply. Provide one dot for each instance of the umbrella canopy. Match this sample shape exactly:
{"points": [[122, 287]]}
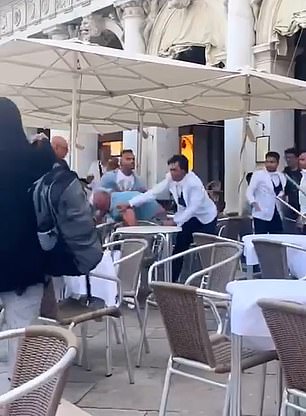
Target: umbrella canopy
{"points": [[40, 76], [243, 92], [106, 115]]}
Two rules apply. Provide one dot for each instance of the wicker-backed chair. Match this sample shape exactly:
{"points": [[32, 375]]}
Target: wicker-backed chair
{"points": [[44, 356], [276, 250], [290, 226], [72, 312], [183, 313], [287, 324], [219, 277], [203, 278]]}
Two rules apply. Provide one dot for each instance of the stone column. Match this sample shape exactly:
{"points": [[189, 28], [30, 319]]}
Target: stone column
{"points": [[133, 17], [278, 124], [240, 39]]}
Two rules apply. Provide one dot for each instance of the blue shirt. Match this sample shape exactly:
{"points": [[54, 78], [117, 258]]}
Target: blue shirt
{"points": [[145, 212]]}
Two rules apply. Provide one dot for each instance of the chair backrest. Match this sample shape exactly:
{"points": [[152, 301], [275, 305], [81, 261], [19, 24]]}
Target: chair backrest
{"points": [[129, 270], [104, 232], [272, 257], [218, 278], [290, 226], [287, 324], [41, 348], [183, 314], [230, 228]]}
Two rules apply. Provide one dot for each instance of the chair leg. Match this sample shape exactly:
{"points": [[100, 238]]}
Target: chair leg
{"points": [[262, 388], [142, 335], [166, 388], [279, 387], [84, 356], [226, 407], [109, 367], [145, 340], [284, 404], [116, 332], [2, 318], [126, 350]]}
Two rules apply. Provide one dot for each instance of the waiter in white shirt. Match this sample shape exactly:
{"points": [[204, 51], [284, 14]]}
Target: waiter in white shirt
{"points": [[196, 212], [302, 195], [265, 185]]}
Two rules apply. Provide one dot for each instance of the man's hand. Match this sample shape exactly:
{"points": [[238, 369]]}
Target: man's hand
{"points": [[169, 223], [123, 207], [256, 206]]}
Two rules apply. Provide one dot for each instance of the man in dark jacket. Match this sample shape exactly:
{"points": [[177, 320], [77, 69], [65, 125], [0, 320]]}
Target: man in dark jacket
{"points": [[21, 258]]}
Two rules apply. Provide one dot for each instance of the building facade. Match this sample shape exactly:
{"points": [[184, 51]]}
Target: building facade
{"points": [[265, 34]]}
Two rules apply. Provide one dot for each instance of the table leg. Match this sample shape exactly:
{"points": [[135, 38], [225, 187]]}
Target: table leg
{"points": [[168, 253], [249, 272], [235, 401]]}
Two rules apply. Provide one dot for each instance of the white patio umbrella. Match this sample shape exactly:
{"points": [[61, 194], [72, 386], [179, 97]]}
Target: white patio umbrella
{"points": [[247, 93], [71, 80], [244, 92]]}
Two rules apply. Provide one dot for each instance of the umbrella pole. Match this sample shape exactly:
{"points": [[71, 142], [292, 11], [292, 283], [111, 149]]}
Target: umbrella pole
{"points": [[140, 142], [243, 165], [73, 130]]}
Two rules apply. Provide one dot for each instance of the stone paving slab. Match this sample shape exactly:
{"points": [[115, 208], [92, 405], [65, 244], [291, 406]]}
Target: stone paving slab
{"points": [[114, 396]]}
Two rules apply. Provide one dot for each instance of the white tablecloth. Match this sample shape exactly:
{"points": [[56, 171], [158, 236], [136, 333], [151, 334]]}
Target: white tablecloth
{"points": [[246, 316], [150, 229], [296, 259], [100, 288]]}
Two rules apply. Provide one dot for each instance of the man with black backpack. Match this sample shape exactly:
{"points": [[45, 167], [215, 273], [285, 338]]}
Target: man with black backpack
{"points": [[65, 225]]}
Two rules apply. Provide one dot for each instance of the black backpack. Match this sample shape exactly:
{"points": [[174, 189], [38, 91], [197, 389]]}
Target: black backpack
{"points": [[65, 225]]}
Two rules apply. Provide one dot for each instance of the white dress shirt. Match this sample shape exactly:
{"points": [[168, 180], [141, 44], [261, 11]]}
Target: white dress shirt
{"points": [[302, 197], [198, 204], [261, 191]]}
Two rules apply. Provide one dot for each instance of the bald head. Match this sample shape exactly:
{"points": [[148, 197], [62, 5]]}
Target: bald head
{"points": [[60, 146], [101, 201]]}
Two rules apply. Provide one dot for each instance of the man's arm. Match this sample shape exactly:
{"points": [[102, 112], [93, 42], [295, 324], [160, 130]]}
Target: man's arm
{"points": [[196, 196], [150, 195], [250, 193]]}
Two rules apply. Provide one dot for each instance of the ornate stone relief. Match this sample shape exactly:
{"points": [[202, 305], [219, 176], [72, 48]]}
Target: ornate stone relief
{"points": [[255, 5], [21, 13]]}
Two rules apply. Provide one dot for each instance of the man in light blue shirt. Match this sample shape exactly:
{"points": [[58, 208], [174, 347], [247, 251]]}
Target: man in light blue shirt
{"points": [[124, 178], [196, 212]]}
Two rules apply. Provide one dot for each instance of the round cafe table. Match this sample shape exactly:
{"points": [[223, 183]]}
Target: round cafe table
{"points": [[165, 230]]}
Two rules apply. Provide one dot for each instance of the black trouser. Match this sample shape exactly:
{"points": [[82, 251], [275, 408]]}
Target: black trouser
{"points": [[275, 226], [184, 239]]}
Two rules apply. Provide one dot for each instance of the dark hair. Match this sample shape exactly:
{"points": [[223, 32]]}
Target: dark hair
{"points": [[292, 151], [275, 155], [302, 151], [45, 155], [125, 151], [12, 135], [181, 160]]}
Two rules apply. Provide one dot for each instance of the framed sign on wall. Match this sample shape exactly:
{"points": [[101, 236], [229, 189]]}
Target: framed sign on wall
{"points": [[262, 147]]}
